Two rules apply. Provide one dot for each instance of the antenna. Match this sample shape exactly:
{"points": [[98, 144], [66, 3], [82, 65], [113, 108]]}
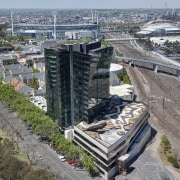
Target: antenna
{"points": [[54, 13], [12, 27], [92, 15], [95, 15], [97, 21], [165, 3]]}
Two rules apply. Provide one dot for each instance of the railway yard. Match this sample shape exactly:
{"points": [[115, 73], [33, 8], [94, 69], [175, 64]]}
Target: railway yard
{"points": [[161, 91]]}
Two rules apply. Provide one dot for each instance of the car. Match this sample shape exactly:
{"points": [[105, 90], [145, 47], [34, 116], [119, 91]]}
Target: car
{"points": [[79, 168], [28, 128], [61, 157], [52, 146], [43, 138], [63, 160], [71, 161], [59, 152]]}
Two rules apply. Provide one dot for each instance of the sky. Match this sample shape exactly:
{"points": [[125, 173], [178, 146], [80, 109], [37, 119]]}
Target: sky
{"points": [[88, 4]]}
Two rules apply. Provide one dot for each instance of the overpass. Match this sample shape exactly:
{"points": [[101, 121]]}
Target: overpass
{"points": [[154, 62], [120, 39], [109, 31]]}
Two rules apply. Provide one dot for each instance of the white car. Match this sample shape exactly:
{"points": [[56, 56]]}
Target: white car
{"points": [[61, 157]]}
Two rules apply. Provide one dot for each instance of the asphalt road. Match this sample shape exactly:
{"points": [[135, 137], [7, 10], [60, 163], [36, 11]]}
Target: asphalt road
{"points": [[39, 153]]}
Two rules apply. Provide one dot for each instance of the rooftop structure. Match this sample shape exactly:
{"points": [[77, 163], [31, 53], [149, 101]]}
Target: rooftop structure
{"points": [[39, 101], [160, 27]]}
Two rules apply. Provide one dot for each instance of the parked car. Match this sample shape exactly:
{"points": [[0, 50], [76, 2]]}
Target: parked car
{"points": [[79, 168], [59, 152], [61, 157], [71, 161], [63, 160]]}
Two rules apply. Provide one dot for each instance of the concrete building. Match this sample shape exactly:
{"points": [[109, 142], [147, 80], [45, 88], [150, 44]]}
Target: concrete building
{"points": [[73, 35], [6, 59], [160, 28], [46, 30], [117, 138]]}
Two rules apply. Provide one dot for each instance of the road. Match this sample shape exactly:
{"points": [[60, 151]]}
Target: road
{"points": [[40, 153]]}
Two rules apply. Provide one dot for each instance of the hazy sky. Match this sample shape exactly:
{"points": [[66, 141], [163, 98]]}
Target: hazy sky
{"points": [[95, 4]]}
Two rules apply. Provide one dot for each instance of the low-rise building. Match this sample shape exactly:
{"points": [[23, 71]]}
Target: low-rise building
{"points": [[111, 137], [6, 59]]}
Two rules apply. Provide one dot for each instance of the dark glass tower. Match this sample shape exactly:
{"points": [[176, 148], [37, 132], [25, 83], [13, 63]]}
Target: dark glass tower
{"points": [[77, 80]]}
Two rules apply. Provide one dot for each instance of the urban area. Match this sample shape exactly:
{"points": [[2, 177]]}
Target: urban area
{"points": [[90, 94]]}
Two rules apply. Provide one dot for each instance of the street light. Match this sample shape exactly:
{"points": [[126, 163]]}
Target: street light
{"points": [[12, 27]]}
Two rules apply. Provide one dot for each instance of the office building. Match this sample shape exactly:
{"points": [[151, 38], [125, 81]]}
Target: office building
{"points": [[77, 82]]}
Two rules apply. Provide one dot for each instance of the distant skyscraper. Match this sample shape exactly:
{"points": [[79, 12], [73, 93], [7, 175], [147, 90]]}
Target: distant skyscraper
{"points": [[77, 80]]}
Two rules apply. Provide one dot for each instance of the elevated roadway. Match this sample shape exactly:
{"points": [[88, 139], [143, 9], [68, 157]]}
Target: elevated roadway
{"points": [[154, 62], [120, 39]]}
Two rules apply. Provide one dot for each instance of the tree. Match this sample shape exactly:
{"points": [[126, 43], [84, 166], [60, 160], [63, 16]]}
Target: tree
{"points": [[34, 83], [38, 175], [25, 80], [89, 164], [41, 123]]}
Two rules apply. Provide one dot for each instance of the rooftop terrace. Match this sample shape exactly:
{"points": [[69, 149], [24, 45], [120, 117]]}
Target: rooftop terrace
{"points": [[115, 124]]}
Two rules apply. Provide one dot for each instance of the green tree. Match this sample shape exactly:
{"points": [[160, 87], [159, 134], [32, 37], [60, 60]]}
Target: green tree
{"points": [[34, 83], [38, 175], [25, 80]]}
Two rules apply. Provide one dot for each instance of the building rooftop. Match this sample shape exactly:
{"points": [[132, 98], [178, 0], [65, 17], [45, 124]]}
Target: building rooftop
{"points": [[39, 101], [115, 124]]}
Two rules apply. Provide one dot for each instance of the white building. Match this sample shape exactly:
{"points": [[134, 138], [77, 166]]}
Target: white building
{"points": [[74, 35]]}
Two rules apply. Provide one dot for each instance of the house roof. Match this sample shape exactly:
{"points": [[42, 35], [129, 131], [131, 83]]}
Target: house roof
{"points": [[7, 79], [27, 76], [40, 76], [23, 70], [40, 65], [19, 85], [26, 90], [14, 81]]}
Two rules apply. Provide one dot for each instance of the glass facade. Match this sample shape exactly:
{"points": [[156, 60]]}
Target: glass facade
{"points": [[77, 80]]}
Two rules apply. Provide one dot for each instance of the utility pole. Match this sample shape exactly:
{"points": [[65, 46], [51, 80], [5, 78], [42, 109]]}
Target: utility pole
{"points": [[164, 98], [54, 15], [12, 27]]}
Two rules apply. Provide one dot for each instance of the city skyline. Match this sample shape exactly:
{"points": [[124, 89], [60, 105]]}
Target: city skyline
{"points": [[93, 4]]}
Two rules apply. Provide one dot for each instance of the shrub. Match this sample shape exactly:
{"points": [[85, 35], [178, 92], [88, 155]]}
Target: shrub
{"points": [[166, 144], [173, 161]]}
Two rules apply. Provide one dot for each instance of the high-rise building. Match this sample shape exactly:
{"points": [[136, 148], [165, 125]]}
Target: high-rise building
{"points": [[77, 82]]}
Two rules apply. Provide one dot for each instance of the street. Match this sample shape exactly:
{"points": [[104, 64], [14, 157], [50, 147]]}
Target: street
{"points": [[39, 153]]}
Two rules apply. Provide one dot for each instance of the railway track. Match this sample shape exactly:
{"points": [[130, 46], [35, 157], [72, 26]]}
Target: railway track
{"points": [[158, 88], [167, 122]]}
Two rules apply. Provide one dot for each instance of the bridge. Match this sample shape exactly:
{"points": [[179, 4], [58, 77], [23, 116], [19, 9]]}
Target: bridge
{"points": [[121, 39], [109, 31], [155, 63]]}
